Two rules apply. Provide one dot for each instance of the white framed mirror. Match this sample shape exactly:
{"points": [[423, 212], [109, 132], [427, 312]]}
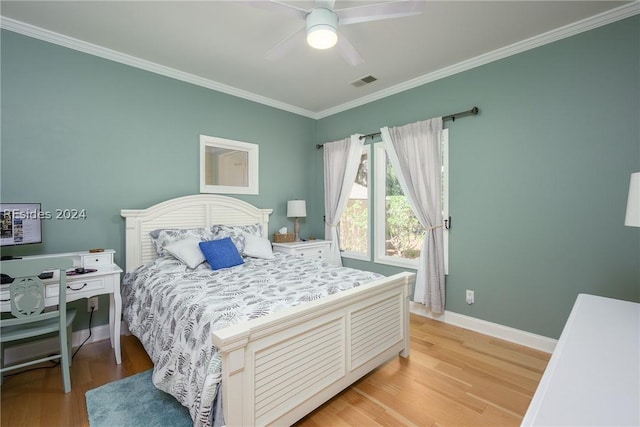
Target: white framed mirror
{"points": [[228, 166]]}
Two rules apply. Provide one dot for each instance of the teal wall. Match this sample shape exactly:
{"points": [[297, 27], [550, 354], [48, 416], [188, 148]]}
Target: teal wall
{"points": [[82, 132], [538, 180]]}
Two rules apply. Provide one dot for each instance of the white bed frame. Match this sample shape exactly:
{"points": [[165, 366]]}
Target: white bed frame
{"points": [[278, 368]]}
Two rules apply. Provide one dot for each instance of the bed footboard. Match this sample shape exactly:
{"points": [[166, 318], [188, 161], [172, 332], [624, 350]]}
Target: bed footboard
{"points": [[278, 368]]}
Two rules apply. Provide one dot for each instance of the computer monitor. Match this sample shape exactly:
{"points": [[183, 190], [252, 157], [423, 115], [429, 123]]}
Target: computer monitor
{"points": [[20, 224]]}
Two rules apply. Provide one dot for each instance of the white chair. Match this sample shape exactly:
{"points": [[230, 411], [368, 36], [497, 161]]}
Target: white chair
{"points": [[27, 293]]}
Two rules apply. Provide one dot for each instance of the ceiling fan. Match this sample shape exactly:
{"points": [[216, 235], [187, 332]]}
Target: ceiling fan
{"points": [[321, 23]]}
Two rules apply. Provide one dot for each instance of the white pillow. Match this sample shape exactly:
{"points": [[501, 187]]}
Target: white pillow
{"points": [[257, 247], [161, 238], [187, 251]]}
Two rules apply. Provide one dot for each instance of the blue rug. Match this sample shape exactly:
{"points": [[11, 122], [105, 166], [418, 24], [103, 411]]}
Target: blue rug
{"points": [[134, 401]]}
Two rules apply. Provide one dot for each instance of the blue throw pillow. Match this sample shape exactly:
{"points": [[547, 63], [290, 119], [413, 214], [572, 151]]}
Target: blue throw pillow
{"points": [[221, 253]]}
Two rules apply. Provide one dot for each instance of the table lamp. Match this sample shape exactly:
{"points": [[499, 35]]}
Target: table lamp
{"points": [[296, 209]]}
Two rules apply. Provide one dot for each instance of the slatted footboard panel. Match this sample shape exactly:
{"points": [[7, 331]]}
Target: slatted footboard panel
{"points": [[377, 326], [278, 368], [291, 371]]}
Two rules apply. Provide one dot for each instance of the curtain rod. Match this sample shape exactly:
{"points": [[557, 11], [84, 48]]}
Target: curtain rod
{"points": [[452, 117]]}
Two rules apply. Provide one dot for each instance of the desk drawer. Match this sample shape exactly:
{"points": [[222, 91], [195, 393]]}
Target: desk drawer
{"points": [[97, 259], [4, 295], [78, 286]]}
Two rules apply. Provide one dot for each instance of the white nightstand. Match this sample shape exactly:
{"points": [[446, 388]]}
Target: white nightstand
{"points": [[318, 249]]}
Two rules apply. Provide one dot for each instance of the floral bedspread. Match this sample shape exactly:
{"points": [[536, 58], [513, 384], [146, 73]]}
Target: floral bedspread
{"points": [[173, 309]]}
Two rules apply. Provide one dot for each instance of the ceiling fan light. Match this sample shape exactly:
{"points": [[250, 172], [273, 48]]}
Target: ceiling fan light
{"points": [[321, 28], [322, 37]]}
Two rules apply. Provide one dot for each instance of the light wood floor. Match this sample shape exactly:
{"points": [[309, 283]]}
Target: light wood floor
{"points": [[453, 377]]}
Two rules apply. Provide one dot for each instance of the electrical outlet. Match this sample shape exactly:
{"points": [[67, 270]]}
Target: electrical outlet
{"points": [[470, 297], [92, 303]]}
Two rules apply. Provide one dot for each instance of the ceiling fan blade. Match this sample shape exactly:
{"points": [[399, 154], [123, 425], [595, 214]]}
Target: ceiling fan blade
{"points": [[277, 6], [286, 44], [348, 51], [376, 12]]}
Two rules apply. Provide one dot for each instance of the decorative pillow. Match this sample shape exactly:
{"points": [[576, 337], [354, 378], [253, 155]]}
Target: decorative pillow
{"points": [[163, 237], [187, 251], [257, 247], [221, 253], [237, 233]]}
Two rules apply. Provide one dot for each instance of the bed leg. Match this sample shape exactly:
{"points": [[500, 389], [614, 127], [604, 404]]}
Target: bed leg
{"points": [[236, 400], [407, 323]]}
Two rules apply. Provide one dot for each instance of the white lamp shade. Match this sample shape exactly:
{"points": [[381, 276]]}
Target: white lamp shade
{"points": [[296, 209], [632, 218]]}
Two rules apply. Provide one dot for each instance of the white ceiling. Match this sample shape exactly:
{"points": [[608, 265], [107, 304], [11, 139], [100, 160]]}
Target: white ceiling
{"points": [[221, 44]]}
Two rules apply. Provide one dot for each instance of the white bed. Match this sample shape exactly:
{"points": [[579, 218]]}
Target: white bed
{"points": [[371, 321]]}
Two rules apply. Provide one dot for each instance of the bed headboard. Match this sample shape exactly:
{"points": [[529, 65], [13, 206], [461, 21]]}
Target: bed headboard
{"points": [[200, 210]]}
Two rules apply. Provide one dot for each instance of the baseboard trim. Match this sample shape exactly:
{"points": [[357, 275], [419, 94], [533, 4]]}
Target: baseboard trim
{"points": [[30, 350], [538, 342]]}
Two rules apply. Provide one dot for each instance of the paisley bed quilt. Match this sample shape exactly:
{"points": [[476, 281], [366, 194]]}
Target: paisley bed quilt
{"points": [[173, 309]]}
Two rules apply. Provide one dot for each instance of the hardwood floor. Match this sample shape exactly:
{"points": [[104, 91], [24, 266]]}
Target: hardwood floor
{"points": [[453, 377]]}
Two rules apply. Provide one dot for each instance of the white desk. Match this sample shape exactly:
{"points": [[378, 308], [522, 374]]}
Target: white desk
{"points": [[106, 280], [593, 377]]}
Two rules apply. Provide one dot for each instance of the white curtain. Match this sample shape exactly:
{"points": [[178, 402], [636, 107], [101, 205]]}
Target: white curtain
{"points": [[415, 153], [341, 160]]}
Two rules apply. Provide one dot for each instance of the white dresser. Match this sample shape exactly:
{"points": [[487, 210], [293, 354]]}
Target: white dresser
{"points": [[593, 377], [319, 249]]}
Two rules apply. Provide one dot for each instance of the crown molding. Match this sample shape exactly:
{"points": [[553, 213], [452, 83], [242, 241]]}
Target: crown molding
{"points": [[622, 12], [112, 55], [578, 27]]}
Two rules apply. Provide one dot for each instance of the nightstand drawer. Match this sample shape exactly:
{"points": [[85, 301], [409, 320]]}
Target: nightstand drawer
{"points": [[317, 253], [92, 260]]}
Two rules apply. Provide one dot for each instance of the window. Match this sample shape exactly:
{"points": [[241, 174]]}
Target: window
{"points": [[398, 233], [354, 222]]}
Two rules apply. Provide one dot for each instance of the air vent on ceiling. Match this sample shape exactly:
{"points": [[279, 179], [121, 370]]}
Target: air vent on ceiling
{"points": [[363, 81]]}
